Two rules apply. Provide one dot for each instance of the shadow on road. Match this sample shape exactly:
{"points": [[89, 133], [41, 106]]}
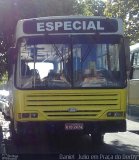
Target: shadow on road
{"points": [[123, 148], [72, 145]]}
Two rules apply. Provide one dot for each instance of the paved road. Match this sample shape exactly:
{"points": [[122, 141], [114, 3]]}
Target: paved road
{"points": [[125, 145]]}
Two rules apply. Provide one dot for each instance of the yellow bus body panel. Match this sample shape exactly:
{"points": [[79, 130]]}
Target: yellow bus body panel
{"points": [[62, 105]]}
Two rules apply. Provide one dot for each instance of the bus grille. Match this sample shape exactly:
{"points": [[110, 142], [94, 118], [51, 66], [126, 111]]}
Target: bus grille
{"points": [[71, 105]]}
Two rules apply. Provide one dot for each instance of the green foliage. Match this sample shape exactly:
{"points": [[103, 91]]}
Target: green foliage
{"points": [[90, 7], [129, 12], [4, 79], [53, 7]]}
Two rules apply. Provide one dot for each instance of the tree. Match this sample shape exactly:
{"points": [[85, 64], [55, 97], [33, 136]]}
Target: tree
{"points": [[53, 7], [5, 33], [89, 7], [129, 12]]}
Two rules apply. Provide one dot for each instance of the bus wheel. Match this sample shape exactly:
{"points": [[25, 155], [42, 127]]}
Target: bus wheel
{"points": [[16, 138], [1, 135], [97, 138]]}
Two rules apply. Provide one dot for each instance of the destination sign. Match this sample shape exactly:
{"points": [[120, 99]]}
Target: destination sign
{"points": [[70, 26]]}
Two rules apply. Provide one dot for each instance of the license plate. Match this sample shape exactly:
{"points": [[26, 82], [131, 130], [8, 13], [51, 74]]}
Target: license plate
{"points": [[74, 126]]}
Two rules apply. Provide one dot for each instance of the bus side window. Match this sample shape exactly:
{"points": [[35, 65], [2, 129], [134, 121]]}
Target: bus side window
{"points": [[135, 73]]}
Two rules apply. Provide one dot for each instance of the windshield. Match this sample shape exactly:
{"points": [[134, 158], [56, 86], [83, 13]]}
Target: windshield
{"points": [[70, 62]]}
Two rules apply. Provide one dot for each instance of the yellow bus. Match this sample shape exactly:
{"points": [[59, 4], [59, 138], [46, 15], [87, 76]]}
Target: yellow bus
{"points": [[67, 74], [133, 83]]}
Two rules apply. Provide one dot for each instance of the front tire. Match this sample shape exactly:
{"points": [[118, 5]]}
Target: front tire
{"points": [[97, 138], [15, 137]]}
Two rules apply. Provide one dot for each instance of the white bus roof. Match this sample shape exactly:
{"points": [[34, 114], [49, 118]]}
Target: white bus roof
{"points": [[69, 25], [134, 47]]}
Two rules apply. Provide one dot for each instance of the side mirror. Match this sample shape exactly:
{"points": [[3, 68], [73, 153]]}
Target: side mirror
{"points": [[12, 52], [127, 53], [132, 67]]}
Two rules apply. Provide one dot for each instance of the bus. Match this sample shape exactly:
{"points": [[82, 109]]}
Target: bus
{"points": [[67, 74], [133, 83]]}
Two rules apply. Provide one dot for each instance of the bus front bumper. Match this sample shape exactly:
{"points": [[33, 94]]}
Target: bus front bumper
{"points": [[81, 127]]}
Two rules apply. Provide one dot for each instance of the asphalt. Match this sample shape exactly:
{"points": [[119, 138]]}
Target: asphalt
{"points": [[132, 125], [133, 119]]}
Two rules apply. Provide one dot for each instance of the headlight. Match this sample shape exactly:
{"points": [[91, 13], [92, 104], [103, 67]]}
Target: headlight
{"points": [[115, 114]]}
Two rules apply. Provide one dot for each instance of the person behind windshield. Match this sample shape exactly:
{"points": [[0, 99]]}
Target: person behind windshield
{"points": [[52, 75], [92, 77], [25, 70]]}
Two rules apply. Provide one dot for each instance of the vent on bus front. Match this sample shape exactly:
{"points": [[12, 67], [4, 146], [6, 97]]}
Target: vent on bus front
{"points": [[73, 104]]}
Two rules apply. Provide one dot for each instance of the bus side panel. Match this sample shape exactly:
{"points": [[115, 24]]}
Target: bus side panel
{"points": [[133, 97], [133, 92]]}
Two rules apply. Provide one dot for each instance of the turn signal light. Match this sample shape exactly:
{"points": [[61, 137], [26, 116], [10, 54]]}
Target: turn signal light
{"points": [[34, 115], [27, 115], [115, 114]]}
